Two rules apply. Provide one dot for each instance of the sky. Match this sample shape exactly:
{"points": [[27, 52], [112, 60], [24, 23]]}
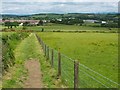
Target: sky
{"points": [[26, 7]]}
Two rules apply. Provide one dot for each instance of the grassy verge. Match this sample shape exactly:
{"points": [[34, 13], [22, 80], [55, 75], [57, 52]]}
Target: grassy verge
{"points": [[29, 48], [14, 77], [24, 51], [50, 78], [9, 43]]}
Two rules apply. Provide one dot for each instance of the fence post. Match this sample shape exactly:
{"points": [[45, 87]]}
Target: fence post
{"points": [[52, 62], [39, 40], [42, 45], [45, 49], [47, 52], [76, 74], [59, 63]]}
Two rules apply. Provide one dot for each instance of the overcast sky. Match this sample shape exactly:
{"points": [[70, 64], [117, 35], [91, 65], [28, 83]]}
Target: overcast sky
{"points": [[58, 6], [61, 0]]}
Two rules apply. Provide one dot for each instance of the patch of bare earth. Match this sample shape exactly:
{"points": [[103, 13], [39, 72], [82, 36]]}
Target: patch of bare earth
{"points": [[34, 74]]}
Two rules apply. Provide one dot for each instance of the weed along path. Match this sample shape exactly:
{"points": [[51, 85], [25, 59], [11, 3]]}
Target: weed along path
{"points": [[28, 54]]}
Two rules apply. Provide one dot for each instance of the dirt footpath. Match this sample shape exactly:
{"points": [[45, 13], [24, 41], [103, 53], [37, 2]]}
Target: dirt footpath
{"points": [[34, 74]]}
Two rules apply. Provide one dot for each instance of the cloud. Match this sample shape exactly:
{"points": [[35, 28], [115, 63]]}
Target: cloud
{"points": [[61, 0], [58, 7]]}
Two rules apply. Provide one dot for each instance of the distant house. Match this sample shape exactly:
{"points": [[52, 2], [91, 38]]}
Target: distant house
{"points": [[0, 20], [90, 15], [90, 21], [31, 22], [59, 20], [48, 21], [44, 21], [21, 24], [103, 22]]}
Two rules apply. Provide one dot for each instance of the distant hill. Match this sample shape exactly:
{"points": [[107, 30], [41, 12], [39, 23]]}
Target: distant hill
{"points": [[50, 16]]}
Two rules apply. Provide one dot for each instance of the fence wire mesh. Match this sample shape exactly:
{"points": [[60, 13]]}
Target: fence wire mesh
{"points": [[94, 78], [87, 78], [67, 68]]}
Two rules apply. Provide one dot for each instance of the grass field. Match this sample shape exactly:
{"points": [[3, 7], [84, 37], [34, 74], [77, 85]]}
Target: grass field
{"points": [[98, 51]]}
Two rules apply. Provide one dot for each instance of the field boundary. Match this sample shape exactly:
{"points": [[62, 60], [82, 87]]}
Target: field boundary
{"points": [[70, 31], [73, 73]]}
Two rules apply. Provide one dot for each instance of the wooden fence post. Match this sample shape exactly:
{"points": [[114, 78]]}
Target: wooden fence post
{"points": [[59, 63], [47, 52], [52, 61], [45, 49], [40, 40], [76, 74], [42, 45]]}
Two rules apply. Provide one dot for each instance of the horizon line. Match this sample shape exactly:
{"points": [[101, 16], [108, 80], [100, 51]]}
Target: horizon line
{"points": [[62, 13]]}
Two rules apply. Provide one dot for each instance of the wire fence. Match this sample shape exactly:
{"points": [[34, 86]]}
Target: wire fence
{"points": [[73, 73]]}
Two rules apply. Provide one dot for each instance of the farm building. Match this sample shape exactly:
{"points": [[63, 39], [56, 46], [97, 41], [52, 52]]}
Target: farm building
{"points": [[103, 22], [90, 21], [31, 22]]}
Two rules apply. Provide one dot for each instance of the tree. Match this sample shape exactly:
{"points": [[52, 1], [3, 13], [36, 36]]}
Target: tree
{"points": [[15, 24], [24, 28], [26, 23], [112, 25], [81, 22], [3, 19], [40, 23], [75, 21], [8, 24], [42, 29], [11, 24]]}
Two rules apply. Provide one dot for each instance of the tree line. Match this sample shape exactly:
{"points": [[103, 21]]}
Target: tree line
{"points": [[15, 24]]}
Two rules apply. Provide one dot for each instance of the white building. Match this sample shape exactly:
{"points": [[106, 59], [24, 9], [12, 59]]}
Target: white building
{"points": [[103, 22], [59, 20], [21, 24], [90, 21]]}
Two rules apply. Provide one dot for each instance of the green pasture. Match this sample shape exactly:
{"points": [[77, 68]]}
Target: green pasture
{"points": [[98, 51]]}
